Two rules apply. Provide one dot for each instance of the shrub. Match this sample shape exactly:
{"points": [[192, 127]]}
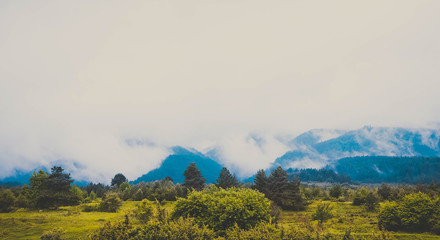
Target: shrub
{"points": [[118, 230], [371, 202], [360, 196], [336, 191], [7, 200], [177, 230], [181, 229], [110, 203], [415, 212], [144, 211], [53, 234], [93, 207], [221, 209], [323, 212]]}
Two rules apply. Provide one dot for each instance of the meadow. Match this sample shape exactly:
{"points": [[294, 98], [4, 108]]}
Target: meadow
{"points": [[76, 224]]}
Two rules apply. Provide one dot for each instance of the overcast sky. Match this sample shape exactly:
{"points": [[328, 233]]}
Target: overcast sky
{"points": [[78, 78]]}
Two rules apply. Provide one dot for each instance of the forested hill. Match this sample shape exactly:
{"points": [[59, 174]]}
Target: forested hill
{"points": [[175, 165], [377, 169]]}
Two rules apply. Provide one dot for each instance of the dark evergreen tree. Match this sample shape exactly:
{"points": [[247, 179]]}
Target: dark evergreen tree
{"points": [[118, 179], [293, 199], [193, 178], [277, 184], [169, 179], [260, 181], [284, 193], [226, 179], [56, 190]]}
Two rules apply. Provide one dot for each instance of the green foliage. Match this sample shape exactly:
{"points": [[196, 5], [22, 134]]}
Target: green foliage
{"points": [[226, 179], [415, 212], [144, 210], [389, 216], [53, 234], [221, 209], [7, 200], [36, 182], [386, 192], [193, 178], [323, 212], [360, 196], [260, 181], [371, 202], [336, 191], [118, 179], [119, 230], [176, 230], [181, 229], [55, 190], [318, 175], [282, 192], [110, 203], [277, 185]]}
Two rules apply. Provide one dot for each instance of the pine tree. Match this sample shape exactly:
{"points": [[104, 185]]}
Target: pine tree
{"points": [[284, 193], [292, 199], [260, 181], [277, 184], [56, 190], [226, 179], [193, 178]]}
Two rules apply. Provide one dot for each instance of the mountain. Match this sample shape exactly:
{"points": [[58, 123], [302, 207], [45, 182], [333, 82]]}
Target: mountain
{"points": [[175, 165], [319, 148], [377, 169]]}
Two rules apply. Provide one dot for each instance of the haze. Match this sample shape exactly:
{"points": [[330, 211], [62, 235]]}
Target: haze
{"points": [[80, 78]]}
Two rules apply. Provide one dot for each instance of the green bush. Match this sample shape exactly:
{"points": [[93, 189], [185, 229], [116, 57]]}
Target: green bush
{"points": [[92, 207], [221, 209], [7, 200], [181, 229], [153, 230], [53, 234], [323, 212], [120, 230], [144, 211], [110, 203], [415, 212], [336, 191]]}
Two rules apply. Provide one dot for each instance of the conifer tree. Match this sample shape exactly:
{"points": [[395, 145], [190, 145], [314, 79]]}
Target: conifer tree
{"points": [[260, 181], [277, 184], [193, 178], [284, 193], [56, 190], [226, 179]]}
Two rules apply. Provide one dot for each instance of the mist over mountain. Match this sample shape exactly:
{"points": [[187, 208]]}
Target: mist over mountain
{"points": [[314, 149], [175, 165], [317, 148]]}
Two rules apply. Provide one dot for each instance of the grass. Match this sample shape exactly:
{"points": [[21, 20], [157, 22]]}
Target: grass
{"points": [[345, 217], [31, 224]]}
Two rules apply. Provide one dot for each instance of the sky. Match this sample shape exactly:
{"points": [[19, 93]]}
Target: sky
{"points": [[80, 78]]}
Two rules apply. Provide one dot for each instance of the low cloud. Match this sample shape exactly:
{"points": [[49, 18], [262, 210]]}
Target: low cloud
{"points": [[79, 79]]}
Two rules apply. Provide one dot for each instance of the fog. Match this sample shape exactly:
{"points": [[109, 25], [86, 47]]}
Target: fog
{"points": [[78, 79]]}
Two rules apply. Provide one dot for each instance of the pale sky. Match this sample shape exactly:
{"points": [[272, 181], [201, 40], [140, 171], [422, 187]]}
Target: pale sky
{"points": [[78, 78]]}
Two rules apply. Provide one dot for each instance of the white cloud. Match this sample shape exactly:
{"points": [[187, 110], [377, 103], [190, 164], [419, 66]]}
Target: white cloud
{"points": [[78, 78]]}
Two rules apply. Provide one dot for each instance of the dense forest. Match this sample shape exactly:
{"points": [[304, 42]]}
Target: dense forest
{"points": [[378, 169], [274, 206]]}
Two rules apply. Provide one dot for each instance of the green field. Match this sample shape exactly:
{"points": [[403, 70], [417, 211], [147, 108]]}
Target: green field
{"points": [[27, 224]]}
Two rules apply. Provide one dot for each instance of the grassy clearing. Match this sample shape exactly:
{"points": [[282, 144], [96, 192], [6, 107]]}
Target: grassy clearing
{"points": [[26, 224], [345, 216]]}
